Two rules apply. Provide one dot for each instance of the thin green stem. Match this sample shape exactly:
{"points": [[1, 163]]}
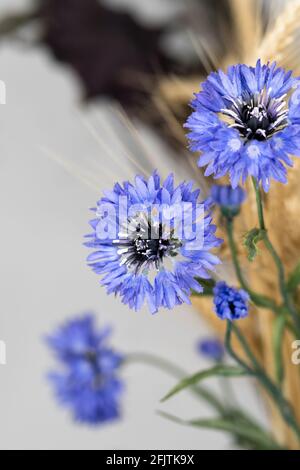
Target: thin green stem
{"points": [[260, 210], [233, 249], [258, 299], [245, 346], [231, 351], [277, 340], [229, 398], [287, 302], [257, 371]]}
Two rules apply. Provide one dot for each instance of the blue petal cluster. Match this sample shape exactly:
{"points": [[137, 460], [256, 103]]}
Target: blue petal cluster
{"points": [[246, 122], [230, 303], [88, 383], [227, 198], [211, 348], [160, 272]]}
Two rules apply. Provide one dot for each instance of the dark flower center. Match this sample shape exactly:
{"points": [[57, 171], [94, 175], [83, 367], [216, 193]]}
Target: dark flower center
{"points": [[257, 116], [231, 306], [99, 379], [140, 252], [91, 356]]}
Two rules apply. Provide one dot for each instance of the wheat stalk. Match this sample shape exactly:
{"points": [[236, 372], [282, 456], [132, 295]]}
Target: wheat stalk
{"points": [[281, 42]]}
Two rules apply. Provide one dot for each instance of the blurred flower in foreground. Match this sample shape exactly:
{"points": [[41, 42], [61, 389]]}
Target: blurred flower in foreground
{"points": [[211, 348], [228, 199], [230, 303], [145, 256], [88, 383], [244, 124]]}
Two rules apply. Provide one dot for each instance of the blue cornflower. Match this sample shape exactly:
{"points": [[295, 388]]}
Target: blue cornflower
{"points": [[88, 383], [139, 255], [247, 123], [228, 199], [211, 348], [230, 303]]}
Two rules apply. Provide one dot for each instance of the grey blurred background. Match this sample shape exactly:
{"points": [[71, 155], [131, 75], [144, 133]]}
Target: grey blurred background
{"points": [[56, 157]]}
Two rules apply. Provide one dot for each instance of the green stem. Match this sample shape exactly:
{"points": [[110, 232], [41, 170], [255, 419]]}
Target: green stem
{"points": [[258, 299], [260, 210], [257, 371], [229, 398], [277, 336], [231, 351], [287, 302]]}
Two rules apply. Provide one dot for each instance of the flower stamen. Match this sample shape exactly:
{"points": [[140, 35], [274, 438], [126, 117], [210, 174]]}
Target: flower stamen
{"points": [[257, 116], [146, 245]]}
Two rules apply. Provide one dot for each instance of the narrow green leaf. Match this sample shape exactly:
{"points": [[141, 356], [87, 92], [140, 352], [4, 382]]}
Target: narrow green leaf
{"points": [[278, 332], [251, 239], [219, 370], [294, 279], [248, 435], [238, 429]]}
